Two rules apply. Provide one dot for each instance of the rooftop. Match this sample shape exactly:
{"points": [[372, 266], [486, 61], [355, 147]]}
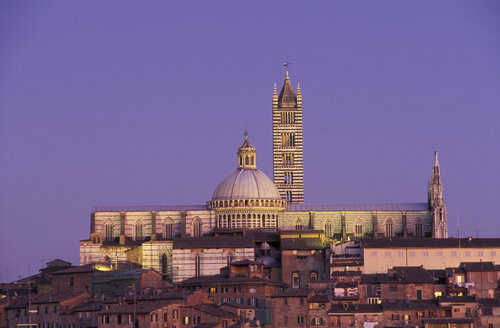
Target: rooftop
{"points": [[430, 242], [359, 207], [211, 242]]}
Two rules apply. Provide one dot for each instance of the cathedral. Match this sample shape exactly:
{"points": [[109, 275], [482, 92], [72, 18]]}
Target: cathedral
{"points": [[187, 241]]}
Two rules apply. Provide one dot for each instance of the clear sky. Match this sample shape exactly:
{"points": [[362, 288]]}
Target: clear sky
{"points": [[145, 103]]}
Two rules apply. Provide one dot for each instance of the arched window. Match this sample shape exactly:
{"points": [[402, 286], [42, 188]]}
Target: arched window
{"points": [[164, 264], [419, 229], [168, 229], [313, 276], [299, 225], [138, 231], [196, 227], [328, 229], [358, 228], [389, 228], [108, 234]]}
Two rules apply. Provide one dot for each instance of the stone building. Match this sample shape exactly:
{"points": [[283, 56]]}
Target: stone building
{"points": [[247, 199]]}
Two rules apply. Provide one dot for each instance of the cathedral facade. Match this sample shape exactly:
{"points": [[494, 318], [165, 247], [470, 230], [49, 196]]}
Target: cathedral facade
{"points": [[179, 240]]}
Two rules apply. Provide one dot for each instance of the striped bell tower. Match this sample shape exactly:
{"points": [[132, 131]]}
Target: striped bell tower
{"points": [[288, 164]]}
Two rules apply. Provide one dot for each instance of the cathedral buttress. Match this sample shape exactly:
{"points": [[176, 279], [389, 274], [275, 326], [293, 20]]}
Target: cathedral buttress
{"points": [[288, 153], [436, 203]]}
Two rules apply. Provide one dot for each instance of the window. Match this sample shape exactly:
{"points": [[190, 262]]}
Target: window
{"points": [[175, 314], [196, 227], [288, 139], [487, 311], [313, 276], [467, 253], [289, 196], [412, 254], [108, 234], [55, 308], [295, 280], [164, 264], [300, 319], [138, 231], [419, 229], [71, 281], [253, 302], [374, 253], [453, 253], [480, 253], [388, 254], [196, 320], [493, 253], [154, 317], [318, 321], [440, 253], [426, 253], [328, 229], [389, 228], [288, 178], [299, 225], [287, 158], [358, 228], [186, 321], [400, 254], [419, 294], [165, 317], [197, 266], [168, 229]]}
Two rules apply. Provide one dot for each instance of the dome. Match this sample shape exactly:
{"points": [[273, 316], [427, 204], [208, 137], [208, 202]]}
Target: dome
{"points": [[246, 183]]}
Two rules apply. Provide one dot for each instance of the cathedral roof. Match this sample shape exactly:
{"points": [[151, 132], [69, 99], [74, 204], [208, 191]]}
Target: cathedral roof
{"points": [[359, 207], [246, 184], [287, 95]]}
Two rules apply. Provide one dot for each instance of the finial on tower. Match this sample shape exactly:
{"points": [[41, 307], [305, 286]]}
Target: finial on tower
{"points": [[436, 162], [247, 156]]}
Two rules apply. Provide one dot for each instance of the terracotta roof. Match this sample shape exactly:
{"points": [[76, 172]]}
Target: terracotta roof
{"points": [[430, 242], [410, 304], [414, 275], [478, 266], [490, 302], [215, 310], [318, 298], [219, 279], [299, 292], [87, 306], [77, 269], [456, 299], [302, 243], [339, 308], [129, 308], [449, 320], [52, 298], [345, 273], [174, 294], [214, 242]]}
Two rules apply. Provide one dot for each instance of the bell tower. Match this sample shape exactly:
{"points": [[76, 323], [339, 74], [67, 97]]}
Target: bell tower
{"points": [[288, 164]]}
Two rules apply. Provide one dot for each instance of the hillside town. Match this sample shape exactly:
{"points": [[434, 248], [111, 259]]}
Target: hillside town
{"points": [[314, 283]]}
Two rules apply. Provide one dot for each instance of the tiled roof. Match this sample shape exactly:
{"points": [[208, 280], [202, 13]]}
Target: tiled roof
{"points": [[318, 298], [354, 308], [52, 298], [87, 306], [490, 302], [430, 242], [218, 279], [173, 294], [375, 278], [148, 208], [77, 269], [139, 308], [410, 304], [214, 242], [358, 207], [299, 292], [449, 320], [456, 299], [414, 275], [301, 243], [215, 310], [478, 266], [345, 273]]}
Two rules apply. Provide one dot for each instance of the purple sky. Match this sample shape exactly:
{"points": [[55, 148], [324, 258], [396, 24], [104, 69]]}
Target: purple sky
{"points": [[127, 103]]}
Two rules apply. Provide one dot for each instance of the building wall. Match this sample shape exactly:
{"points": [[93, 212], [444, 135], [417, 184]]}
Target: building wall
{"points": [[211, 260], [383, 259], [303, 262], [286, 311]]}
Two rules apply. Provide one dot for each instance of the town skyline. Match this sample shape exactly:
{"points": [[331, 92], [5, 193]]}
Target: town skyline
{"points": [[79, 131]]}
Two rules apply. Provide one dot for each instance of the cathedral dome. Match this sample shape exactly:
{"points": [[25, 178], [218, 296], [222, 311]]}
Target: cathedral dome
{"points": [[246, 183]]}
